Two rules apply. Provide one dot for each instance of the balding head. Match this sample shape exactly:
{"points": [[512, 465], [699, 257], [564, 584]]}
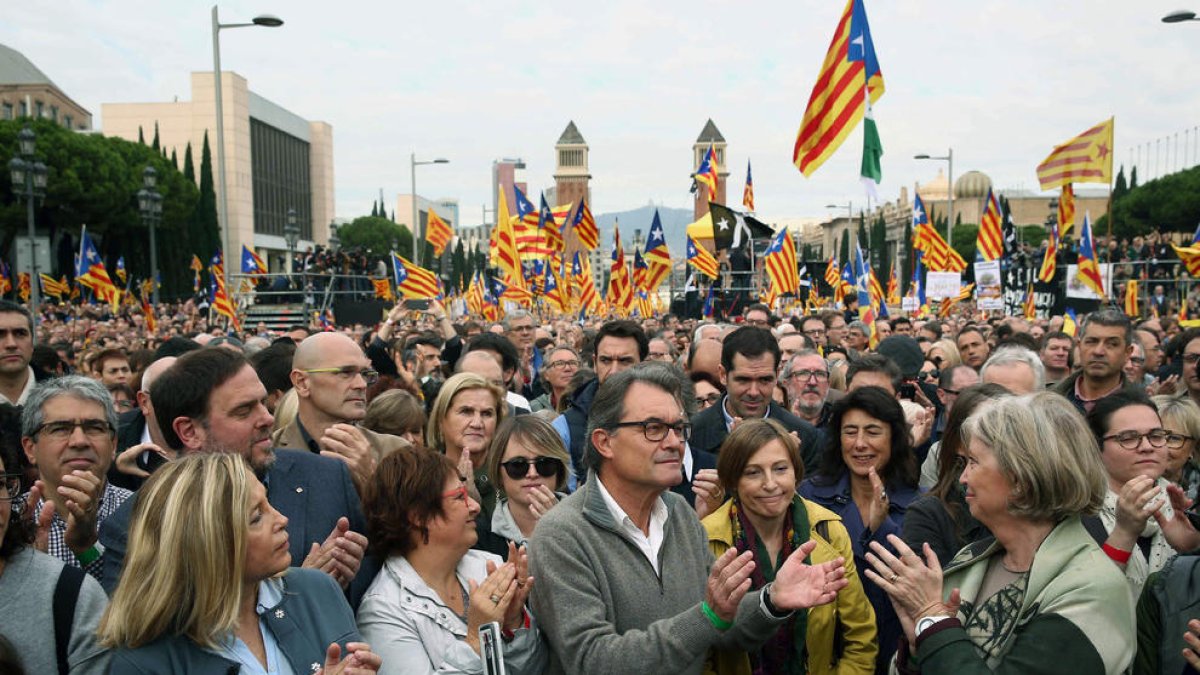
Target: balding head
{"points": [[706, 358], [143, 397], [482, 363], [329, 373], [315, 350]]}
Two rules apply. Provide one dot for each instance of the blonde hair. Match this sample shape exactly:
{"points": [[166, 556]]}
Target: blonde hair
{"points": [[187, 553], [538, 435], [1046, 450], [950, 354], [1181, 412], [286, 410], [434, 440]]}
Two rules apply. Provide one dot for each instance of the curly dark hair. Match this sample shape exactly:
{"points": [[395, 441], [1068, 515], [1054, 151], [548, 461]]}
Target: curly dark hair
{"points": [[19, 533], [901, 469], [404, 494]]}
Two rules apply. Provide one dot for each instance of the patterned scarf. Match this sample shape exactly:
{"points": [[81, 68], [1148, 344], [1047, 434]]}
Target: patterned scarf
{"points": [[785, 651]]}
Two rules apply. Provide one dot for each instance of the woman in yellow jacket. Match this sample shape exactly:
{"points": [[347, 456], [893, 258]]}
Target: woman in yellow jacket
{"points": [[759, 467]]}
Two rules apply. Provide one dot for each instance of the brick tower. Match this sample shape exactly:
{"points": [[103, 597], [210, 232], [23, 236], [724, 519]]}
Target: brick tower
{"points": [[709, 136], [571, 175]]}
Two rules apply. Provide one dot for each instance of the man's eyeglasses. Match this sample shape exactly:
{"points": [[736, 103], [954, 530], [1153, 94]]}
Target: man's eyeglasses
{"points": [[806, 375], [1157, 438], [369, 375], [12, 487], [1191, 358], [814, 332], [61, 430], [655, 431], [518, 467]]}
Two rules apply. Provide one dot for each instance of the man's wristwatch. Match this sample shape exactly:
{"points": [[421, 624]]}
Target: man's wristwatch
{"points": [[928, 622]]}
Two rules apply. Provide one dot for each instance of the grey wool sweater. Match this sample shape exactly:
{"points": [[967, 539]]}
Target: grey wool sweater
{"points": [[603, 608]]}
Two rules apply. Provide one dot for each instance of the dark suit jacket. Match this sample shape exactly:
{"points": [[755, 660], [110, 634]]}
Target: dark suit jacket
{"points": [[709, 432], [312, 491], [700, 460]]}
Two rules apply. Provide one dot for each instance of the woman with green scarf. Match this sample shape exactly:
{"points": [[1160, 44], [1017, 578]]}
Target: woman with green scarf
{"points": [[759, 467]]}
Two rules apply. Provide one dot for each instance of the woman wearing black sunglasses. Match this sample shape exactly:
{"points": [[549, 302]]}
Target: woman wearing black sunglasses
{"points": [[527, 463]]}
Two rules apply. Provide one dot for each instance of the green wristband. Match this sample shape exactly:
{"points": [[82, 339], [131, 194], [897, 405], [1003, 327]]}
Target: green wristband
{"points": [[89, 556], [716, 621]]}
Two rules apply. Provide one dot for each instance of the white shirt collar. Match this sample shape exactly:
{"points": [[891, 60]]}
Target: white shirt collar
{"points": [[648, 544]]}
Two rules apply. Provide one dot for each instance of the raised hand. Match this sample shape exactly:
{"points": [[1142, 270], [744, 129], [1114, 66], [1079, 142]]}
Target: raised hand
{"points": [[709, 493], [877, 512], [348, 443], [340, 555], [800, 586], [913, 584], [515, 617], [728, 583], [490, 600], [80, 492], [541, 500], [1177, 528], [41, 537]]}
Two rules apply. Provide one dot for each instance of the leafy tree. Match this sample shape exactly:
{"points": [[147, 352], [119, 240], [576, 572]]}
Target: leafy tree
{"points": [[1133, 178], [1121, 188], [377, 234], [906, 266], [174, 159], [459, 279], [1167, 204], [374, 209], [154, 144], [844, 255]]}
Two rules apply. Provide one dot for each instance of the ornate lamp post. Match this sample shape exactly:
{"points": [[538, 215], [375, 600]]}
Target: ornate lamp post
{"points": [[150, 204], [29, 183]]}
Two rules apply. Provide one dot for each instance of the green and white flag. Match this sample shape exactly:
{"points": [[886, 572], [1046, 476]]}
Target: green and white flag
{"points": [[872, 172]]}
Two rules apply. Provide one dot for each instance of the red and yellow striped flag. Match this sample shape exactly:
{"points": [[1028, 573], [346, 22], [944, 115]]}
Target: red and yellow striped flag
{"points": [[1190, 255], [1049, 263], [837, 103], [383, 289], [437, 232], [701, 259], [23, 287], [620, 288], [504, 250], [1066, 210], [1087, 158], [990, 240], [1131, 299]]}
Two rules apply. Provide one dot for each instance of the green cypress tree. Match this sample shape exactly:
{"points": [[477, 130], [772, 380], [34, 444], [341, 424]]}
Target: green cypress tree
{"points": [[845, 249], [174, 159], [141, 135], [1133, 178], [207, 227], [154, 144], [458, 268], [1121, 188], [189, 167]]}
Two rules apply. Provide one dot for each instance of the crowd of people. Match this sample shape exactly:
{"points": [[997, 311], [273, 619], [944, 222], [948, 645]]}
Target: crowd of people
{"points": [[803, 494]]}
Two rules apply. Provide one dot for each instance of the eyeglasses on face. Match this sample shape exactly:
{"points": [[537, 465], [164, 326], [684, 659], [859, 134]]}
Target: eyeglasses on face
{"points": [[925, 374], [370, 376], [518, 467], [61, 430], [12, 487], [564, 363], [711, 399], [458, 494], [1130, 439], [805, 375], [655, 430]]}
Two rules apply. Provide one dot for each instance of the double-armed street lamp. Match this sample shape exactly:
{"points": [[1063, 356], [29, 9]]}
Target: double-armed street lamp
{"points": [[29, 183], [150, 204], [266, 21], [418, 237], [949, 158]]}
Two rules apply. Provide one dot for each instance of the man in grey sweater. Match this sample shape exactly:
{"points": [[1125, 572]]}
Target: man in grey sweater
{"points": [[625, 578]]}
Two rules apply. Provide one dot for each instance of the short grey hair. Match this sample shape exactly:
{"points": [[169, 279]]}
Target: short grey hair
{"points": [[515, 315], [1113, 318], [75, 386], [787, 367], [608, 407], [859, 326], [1047, 452], [1013, 354]]}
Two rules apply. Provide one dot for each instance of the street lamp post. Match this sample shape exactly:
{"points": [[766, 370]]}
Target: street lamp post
{"points": [[416, 226], [150, 204], [949, 158], [291, 235], [1179, 16], [849, 215], [29, 183], [267, 21]]}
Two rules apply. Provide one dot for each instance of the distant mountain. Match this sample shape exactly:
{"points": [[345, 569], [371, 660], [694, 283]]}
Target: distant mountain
{"points": [[674, 222]]}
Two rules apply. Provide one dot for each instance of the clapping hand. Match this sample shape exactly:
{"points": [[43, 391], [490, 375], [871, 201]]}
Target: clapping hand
{"points": [[361, 660], [709, 493], [800, 586], [913, 585]]}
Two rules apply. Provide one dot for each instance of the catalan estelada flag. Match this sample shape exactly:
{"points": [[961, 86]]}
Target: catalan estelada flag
{"points": [[549, 228], [121, 274], [475, 295], [437, 232], [1066, 210], [706, 174], [620, 288], [504, 253], [1089, 270], [555, 295], [837, 103], [658, 258], [862, 284], [413, 281], [989, 243], [5, 279], [24, 287], [748, 192], [832, 277], [90, 272], [701, 259], [1087, 158], [1131, 299], [584, 226], [581, 274], [252, 263], [780, 261]]}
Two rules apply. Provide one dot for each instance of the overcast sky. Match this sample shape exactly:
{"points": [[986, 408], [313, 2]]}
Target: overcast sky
{"points": [[1000, 81]]}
